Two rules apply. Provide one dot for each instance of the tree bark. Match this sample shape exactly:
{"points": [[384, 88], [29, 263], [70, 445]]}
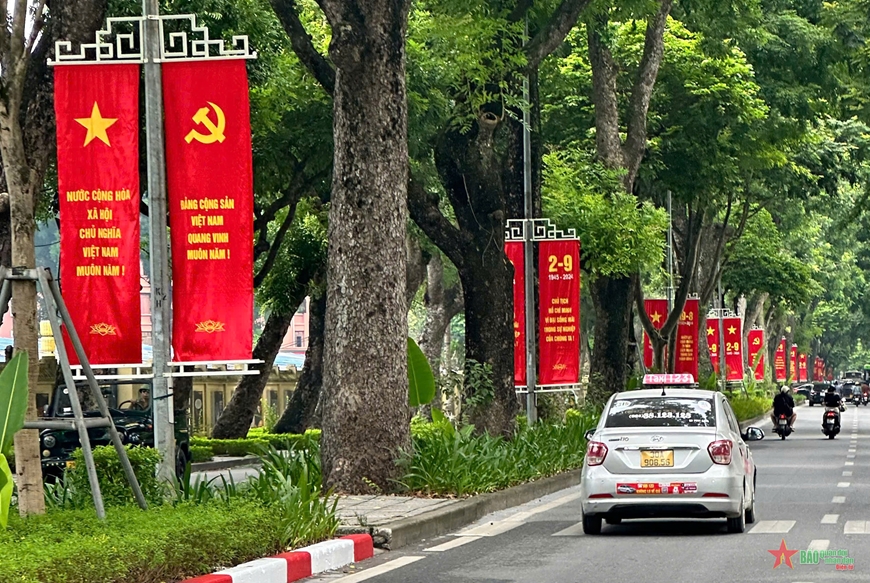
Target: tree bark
{"points": [[612, 298], [236, 419], [299, 414], [365, 382]]}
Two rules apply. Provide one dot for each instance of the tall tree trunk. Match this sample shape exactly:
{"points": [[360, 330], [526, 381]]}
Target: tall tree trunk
{"points": [[236, 419], [612, 298], [299, 414], [365, 379]]}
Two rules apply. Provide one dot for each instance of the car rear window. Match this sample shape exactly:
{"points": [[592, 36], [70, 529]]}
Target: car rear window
{"points": [[661, 412]]}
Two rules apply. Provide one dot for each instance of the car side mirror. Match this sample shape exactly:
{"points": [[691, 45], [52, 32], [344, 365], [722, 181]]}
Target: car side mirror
{"points": [[589, 434], [753, 434]]}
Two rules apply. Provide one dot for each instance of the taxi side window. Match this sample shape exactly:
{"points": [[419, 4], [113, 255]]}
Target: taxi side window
{"points": [[729, 414]]}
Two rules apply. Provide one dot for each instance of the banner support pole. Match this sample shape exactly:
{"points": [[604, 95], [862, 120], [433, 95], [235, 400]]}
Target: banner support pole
{"points": [[529, 255], [164, 432]]}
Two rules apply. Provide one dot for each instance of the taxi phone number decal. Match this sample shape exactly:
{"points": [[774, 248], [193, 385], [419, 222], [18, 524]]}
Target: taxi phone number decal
{"points": [[650, 488]]}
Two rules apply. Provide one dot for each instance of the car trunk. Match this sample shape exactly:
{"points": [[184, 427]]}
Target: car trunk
{"points": [[652, 450]]}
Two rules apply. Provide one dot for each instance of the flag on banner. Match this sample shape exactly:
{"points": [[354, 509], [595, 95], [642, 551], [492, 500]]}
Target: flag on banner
{"points": [[210, 181], [802, 368], [793, 373], [559, 265], [514, 252], [713, 342], [97, 112], [686, 361], [756, 352], [779, 362], [657, 311], [733, 348]]}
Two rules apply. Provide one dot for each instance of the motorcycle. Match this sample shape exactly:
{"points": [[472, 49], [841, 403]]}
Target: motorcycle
{"points": [[865, 399], [782, 427], [831, 422]]}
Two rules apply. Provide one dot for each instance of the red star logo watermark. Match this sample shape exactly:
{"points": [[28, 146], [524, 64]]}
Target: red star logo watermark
{"points": [[783, 555]]}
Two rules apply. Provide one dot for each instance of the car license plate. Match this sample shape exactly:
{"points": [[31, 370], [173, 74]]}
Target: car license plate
{"points": [[657, 458]]}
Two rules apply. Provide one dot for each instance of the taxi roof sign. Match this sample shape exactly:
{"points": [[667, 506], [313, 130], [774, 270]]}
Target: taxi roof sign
{"points": [[669, 379]]}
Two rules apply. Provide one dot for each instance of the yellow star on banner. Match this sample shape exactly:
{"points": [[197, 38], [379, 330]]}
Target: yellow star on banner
{"points": [[710, 331], [656, 318], [97, 125], [732, 329]]}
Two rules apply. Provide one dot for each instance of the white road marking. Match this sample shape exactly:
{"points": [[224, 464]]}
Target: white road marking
{"points": [[457, 542], [851, 451], [838, 500], [772, 526], [490, 529], [574, 530], [850, 456], [842, 484], [830, 518], [850, 463], [857, 527], [847, 474], [379, 570], [818, 545]]}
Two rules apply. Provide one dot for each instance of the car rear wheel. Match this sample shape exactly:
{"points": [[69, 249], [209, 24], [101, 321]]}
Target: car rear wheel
{"points": [[591, 524], [750, 512], [738, 523]]}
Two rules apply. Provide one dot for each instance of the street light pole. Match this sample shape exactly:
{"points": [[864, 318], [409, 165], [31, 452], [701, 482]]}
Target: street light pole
{"points": [[161, 395]]}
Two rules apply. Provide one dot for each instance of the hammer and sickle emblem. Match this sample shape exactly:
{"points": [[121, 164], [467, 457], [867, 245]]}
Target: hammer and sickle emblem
{"points": [[215, 130]]}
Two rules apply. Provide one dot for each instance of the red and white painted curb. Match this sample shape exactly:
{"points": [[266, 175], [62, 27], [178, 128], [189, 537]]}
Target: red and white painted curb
{"points": [[295, 565]]}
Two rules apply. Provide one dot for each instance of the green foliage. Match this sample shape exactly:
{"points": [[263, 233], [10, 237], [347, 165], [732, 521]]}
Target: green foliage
{"points": [[270, 418], [447, 461], [201, 453], [13, 408], [113, 482], [619, 234], [478, 388], [255, 442], [421, 381], [749, 406]]}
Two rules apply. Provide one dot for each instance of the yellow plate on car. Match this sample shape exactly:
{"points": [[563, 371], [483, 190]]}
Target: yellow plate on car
{"points": [[657, 458]]}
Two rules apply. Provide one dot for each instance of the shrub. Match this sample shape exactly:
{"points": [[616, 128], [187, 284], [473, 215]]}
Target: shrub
{"points": [[449, 461], [256, 441], [113, 482], [201, 453], [748, 406]]}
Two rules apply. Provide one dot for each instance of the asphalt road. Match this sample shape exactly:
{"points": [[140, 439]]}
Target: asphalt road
{"points": [[813, 493]]}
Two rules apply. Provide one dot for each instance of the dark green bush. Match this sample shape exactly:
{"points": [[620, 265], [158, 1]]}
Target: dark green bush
{"points": [[163, 544], [748, 407], [113, 482], [257, 441], [201, 453]]}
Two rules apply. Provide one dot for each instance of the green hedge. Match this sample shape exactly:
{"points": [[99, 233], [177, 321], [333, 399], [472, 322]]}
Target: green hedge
{"points": [[201, 453], [748, 407], [164, 544], [255, 442]]}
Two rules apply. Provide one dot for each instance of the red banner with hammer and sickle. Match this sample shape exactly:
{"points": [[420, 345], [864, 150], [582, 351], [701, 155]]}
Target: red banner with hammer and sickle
{"points": [[794, 363], [97, 111], [209, 174], [756, 354]]}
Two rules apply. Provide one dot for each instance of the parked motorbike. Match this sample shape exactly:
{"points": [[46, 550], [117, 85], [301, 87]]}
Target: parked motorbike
{"points": [[782, 427], [831, 422]]}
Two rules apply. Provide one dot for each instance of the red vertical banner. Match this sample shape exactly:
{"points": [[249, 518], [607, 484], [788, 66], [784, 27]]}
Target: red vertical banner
{"points": [[713, 344], [514, 252], [756, 352], [793, 358], [686, 361], [559, 264], [802, 368], [97, 111], [779, 362], [733, 348], [657, 311], [210, 180]]}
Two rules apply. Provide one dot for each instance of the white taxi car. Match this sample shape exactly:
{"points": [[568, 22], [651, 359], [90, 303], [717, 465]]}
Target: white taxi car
{"points": [[668, 453]]}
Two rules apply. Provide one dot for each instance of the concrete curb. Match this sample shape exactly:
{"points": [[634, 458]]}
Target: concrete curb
{"points": [[443, 520], [299, 564], [215, 465]]}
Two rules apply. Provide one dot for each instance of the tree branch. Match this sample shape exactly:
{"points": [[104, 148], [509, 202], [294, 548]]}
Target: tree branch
{"points": [[425, 212], [274, 249], [554, 32], [653, 49], [302, 44]]}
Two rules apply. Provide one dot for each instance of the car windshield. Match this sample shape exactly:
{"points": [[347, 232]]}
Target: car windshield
{"points": [[141, 399], [661, 412]]}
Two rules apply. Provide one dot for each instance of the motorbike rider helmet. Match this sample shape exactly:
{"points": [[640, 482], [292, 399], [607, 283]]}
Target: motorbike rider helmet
{"points": [[783, 389]]}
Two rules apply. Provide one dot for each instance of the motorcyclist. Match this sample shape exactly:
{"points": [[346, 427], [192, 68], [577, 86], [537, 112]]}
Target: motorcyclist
{"points": [[783, 404], [833, 401]]}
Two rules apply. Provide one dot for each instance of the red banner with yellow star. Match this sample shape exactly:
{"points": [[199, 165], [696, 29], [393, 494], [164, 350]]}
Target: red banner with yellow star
{"points": [[713, 342], [209, 174], [756, 352], [733, 348], [657, 311], [802, 367], [779, 362], [97, 109]]}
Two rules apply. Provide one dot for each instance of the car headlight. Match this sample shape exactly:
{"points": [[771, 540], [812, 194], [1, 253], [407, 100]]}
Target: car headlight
{"points": [[49, 441]]}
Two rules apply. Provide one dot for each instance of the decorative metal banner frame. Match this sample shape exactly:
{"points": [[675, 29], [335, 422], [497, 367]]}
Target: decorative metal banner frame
{"points": [[531, 231]]}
